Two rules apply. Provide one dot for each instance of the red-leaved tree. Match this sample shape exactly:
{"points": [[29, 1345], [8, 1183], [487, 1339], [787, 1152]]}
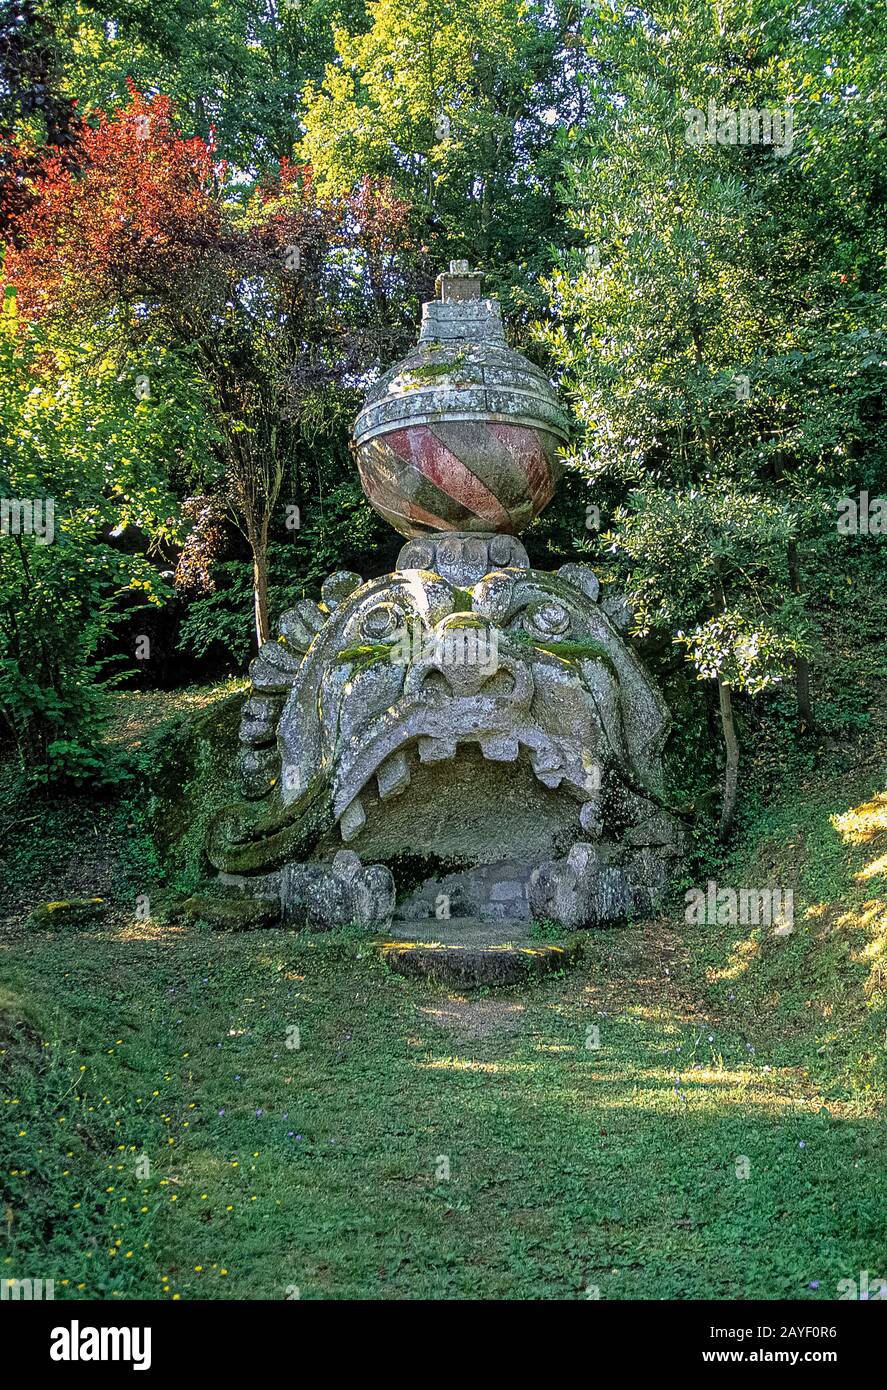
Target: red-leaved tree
{"points": [[283, 300]]}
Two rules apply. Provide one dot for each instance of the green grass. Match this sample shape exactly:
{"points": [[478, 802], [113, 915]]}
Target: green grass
{"points": [[317, 1168]]}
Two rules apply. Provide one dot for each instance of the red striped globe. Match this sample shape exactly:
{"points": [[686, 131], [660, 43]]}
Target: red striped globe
{"points": [[464, 434]]}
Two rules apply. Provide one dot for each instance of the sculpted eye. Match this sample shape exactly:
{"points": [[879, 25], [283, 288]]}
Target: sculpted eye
{"points": [[548, 619], [379, 622]]}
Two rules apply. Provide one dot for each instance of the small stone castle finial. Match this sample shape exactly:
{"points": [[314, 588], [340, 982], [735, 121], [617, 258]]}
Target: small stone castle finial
{"points": [[458, 283]]}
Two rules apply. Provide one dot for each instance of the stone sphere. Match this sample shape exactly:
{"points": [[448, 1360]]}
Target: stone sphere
{"points": [[464, 433]]}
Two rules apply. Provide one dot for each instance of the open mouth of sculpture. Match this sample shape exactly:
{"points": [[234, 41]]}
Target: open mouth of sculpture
{"points": [[464, 778]]}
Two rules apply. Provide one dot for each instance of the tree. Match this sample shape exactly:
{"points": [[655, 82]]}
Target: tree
{"points": [[280, 299], [717, 315], [81, 458], [704, 566], [458, 106], [234, 68]]}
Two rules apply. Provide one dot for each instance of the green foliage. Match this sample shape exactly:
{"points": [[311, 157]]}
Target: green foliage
{"points": [[713, 559], [459, 105], [233, 67], [340, 531], [274, 1168], [90, 459]]}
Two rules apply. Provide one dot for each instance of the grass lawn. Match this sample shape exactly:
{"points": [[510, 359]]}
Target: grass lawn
{"points": [[162, 1136], [319, 1168]]}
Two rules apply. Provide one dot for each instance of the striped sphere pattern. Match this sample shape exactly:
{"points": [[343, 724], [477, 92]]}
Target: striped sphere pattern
{"points": [[460, 475], [464, 434]]}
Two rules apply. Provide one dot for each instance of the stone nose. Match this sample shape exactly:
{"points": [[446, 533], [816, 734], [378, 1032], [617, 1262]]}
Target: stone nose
{"points": [[463, 682], [467, 663]]}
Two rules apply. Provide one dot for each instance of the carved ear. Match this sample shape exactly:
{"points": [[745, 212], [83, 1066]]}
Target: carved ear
{"points": [[339, 586], [581, 577]]}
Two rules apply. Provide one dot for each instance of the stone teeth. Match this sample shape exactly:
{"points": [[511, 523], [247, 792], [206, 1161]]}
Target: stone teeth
{"points": [[436, 750], [500, 748], [393, 776], [549, 769], [549, 779], [352, 820]]}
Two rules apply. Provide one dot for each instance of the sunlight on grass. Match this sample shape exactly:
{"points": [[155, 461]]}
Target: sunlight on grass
{"points": [[148, 930], [464, 1064], [744, 953], [864, 823]]}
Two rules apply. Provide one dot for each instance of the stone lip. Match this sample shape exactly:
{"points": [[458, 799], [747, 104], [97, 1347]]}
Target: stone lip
{"points": [[438, 734], [471, 953], [461, 380]]}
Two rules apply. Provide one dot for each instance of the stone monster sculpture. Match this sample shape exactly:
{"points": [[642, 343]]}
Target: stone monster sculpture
{"points": [[467, 730]]}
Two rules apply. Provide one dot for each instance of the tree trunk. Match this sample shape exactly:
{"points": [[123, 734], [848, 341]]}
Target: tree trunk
{"points": [[731, 774], [802, 688], [259, 548]]}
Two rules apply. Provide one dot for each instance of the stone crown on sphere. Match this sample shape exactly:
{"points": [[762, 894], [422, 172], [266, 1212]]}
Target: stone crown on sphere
{"points": [[463, 434]]}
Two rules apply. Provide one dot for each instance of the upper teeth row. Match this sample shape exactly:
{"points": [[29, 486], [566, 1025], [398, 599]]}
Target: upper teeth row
{"points": [[393, 775]]}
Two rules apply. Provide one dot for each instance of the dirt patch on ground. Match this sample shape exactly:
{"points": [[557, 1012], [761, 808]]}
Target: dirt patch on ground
{"points": [[470, 1019], [633, 966]]}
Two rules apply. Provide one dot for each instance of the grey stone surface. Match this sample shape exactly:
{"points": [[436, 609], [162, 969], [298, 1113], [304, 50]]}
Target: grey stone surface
{"points": [[463, 558], [344, 893], [469, 953], [521, 777]]}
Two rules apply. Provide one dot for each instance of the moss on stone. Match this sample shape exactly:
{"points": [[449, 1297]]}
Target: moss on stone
{"points": [[190, 763], [465, 966], [244, 838], [364, 654], [233, 913], [67, 912], [579, 649], [466, 619]]}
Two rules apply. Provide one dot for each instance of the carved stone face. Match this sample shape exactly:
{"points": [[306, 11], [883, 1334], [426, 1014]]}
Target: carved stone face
{"points": [[505, 720]]}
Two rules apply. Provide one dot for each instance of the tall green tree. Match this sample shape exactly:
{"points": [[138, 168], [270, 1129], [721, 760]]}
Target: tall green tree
{"points": [[718, 318], [459, 105], [82, 459]]}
